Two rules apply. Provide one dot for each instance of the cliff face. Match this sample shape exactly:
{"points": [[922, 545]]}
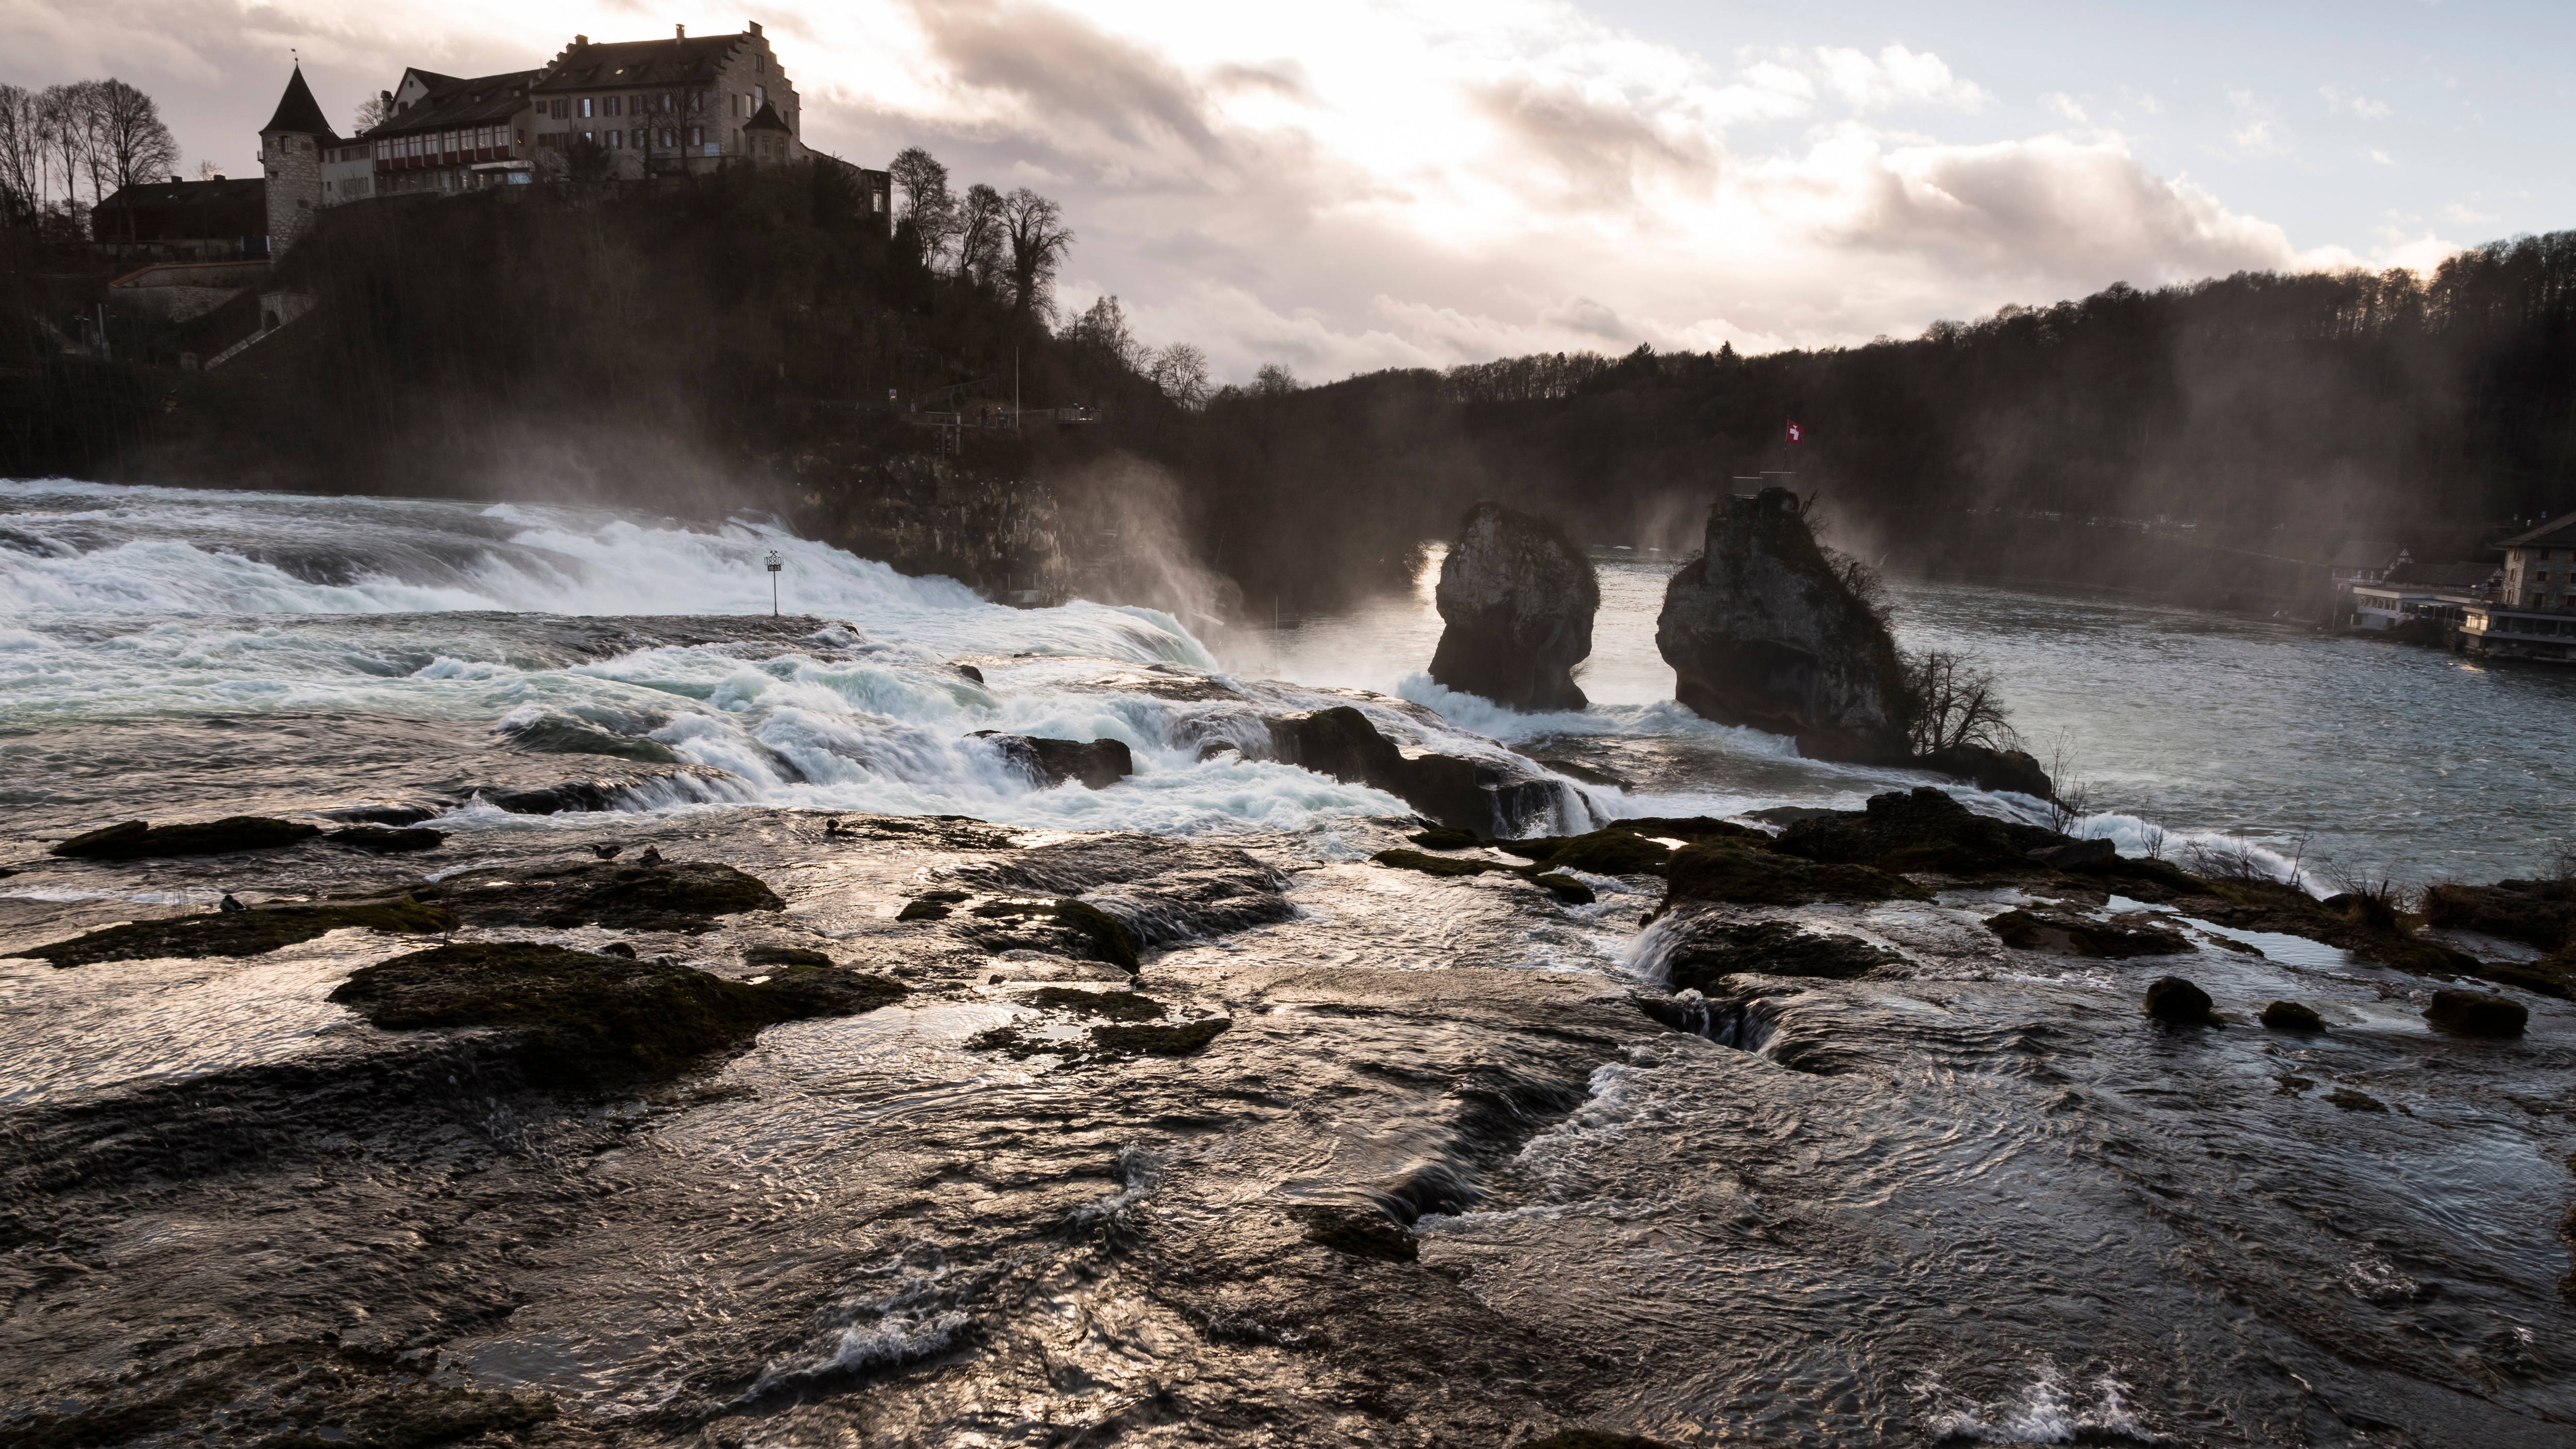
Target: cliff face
{"points": [[1761, 631], [1519, 598], [924, 515]]}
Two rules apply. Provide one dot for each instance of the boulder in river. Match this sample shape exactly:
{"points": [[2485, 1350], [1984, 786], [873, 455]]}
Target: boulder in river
{"points": [[1098, 764], [1763, 630], [2291, 1016], [1922, 829], [1499, 797], [644, 895], [251, 932], [138, 840], [2477, 1013], [2066, 933], [1518, 597], [2015, 770], [385, 840], [2171, 998]]}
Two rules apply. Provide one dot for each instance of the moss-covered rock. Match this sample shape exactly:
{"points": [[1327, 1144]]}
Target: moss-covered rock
{"points": [[586, 1019], [382, 841], [241, 933], [2536, 913], [1706, 954], [2063, 933], [2552, 975], [1565, 888], [2290, 911], [640, 895], [1723, 870], [1606, 852], [138, 840]]}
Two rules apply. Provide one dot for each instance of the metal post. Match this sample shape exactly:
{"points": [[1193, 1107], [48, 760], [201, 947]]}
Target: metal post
{"points": [[775, 564]]}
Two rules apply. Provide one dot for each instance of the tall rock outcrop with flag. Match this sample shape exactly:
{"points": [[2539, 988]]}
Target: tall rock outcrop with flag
{"points": [[1518, 597], [1763, 630]]}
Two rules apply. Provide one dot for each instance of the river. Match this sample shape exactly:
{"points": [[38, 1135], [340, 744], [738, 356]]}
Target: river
{"points": [[1972, 1195]]}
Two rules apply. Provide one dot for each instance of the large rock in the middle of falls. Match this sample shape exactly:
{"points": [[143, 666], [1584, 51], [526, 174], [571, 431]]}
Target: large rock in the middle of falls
{"points": [[1518, 597], [1763, 630]]}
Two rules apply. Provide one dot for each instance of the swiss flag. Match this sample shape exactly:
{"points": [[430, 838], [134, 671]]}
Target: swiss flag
{"points": [[1797, 434]]}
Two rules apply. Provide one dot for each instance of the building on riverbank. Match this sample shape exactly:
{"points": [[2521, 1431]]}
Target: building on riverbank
{"points": [[2441, 593], [2534, 613], [598, 111]]}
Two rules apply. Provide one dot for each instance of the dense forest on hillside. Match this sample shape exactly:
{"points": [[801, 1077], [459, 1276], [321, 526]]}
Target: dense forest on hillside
{"points": [[698, 346]]}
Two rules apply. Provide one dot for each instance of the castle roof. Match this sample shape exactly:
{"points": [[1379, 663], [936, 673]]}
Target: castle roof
{"points": [[765, 119], [297, 111], [2556, 531], [466, 101], [614, 65]]}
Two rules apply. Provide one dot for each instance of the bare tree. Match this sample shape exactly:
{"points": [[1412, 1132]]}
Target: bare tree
{"points": [[979, 235], [1274, 380], [2073, 798], [22, 156], [70, 139], [1953, 702], [133, 143], [926, 201], [1181, 371], [1039, 241], [372, 112]]}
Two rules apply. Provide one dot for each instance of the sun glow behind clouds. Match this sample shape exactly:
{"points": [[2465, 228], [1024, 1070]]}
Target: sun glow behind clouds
{"points": [[1342, 185]]}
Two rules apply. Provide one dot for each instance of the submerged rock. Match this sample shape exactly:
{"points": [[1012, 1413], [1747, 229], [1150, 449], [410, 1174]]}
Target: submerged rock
{"points": [[249, 932], [1603, 852], [560, 735], [644, 895], [1565, 888], [588, 1019], [2477, 1013], [1488, 797], [383, 841], [1444, 865], [1098, 764], [1060, 927], [138, 840], [1361, 1231], [1518, 597], [2291, 1016], [1185, 1039], [1763, 630], [1159, 890], [2352, 1101], [2171, 998]]}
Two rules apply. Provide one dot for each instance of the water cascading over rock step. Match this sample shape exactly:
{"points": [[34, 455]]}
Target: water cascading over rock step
{"points": [[1518, 597], [1763, 630]]}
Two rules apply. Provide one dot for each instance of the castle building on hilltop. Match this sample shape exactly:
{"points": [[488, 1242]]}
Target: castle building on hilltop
{"points": [[616, 111]]}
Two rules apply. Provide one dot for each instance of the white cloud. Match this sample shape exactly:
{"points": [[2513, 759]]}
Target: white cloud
{"points": [[2379, 158], [2059, 103], [2256, 128], [2340, 101], [1898, 77], [1352, 184]]}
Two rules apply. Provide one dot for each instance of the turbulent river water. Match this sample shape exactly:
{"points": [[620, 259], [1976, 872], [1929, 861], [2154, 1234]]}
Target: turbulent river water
{"points": [[1976, 1197]]}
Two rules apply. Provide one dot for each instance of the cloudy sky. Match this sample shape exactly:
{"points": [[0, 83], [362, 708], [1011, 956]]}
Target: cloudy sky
{"points": [[1341, 186]]}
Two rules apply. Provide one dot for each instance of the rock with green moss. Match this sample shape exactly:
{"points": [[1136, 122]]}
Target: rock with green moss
{"points": [[643, 895], [584, 1019], [140, 840], [1743, 874], [241, 933]]}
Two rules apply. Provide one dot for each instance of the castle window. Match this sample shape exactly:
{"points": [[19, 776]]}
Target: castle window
{"points": [[666, 103], [585, 107], [608, 105]]}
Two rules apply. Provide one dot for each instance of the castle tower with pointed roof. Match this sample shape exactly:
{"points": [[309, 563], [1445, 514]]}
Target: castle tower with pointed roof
{"points": [[290, 153]]}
